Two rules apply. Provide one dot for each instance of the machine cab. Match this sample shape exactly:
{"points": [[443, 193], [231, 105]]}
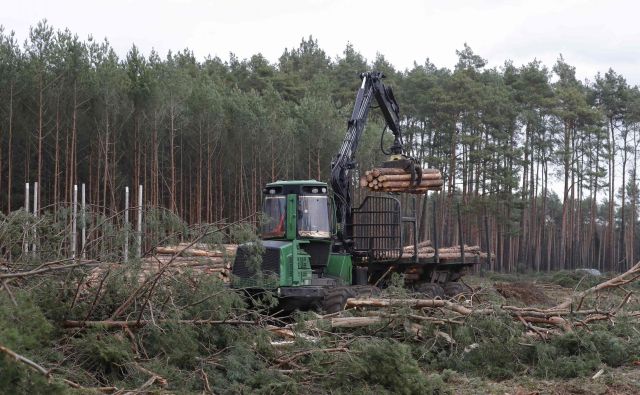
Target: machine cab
{"points": [[296, 210]]}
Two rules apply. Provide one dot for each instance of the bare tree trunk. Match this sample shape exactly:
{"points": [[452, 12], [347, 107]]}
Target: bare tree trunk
{"points": [[105, 177], [40, 134], [10, 150], [612, 178], [524, 194], [182, 182], [56, 165], [452, 162], [198, 207], [565, 199], [625, 262], [172, 158], [113, 171], [273, 162], [634, 204], [209, 181], [74, 140]]}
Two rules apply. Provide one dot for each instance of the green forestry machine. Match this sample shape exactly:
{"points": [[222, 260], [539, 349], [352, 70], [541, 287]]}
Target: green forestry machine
{"points": [[317, 250]]}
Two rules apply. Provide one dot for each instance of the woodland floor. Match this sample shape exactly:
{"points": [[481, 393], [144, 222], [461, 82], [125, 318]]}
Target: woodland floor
{"points": [[544, 291], [183, 332]]}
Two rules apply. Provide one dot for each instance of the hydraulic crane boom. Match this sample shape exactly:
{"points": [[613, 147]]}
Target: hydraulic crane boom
{"points": [[344, 161]]}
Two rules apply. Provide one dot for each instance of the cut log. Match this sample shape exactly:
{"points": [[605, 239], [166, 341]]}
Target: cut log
{"points": [[415, 303], [425, 243], [229, 248], [377, 172], [414, 191], [407, 177], [457, 255], [190, 252], [182, 260], [456, 249], [408, 184]]}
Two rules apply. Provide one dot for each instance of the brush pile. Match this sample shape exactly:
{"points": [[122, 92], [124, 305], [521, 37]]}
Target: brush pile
{"points": [[400, 180]]}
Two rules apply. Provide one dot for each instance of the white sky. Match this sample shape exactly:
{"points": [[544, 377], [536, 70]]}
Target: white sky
{"points": [[592, 35]]}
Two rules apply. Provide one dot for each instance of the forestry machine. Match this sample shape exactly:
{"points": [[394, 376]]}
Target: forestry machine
{"points": [[317, 250]]}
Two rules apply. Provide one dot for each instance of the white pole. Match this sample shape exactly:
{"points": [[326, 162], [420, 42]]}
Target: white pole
{"points": [[74, 226], [126, 224], [25, 244], [139, 254], [83, 210], [35, 215]]}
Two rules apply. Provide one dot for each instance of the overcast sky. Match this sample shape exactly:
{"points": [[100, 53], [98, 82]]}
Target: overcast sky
{"points": [[591, 35]]}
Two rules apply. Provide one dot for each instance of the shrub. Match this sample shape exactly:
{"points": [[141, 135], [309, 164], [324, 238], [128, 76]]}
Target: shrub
{"points": [[382, 365], [575, 279], [102, 352]]}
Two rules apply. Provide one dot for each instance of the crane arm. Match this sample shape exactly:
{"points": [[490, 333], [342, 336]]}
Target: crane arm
{"points": [[344, 161]]}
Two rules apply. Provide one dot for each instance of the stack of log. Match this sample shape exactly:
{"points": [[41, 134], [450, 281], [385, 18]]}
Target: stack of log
{"points": [[399, 180], [197, 257], [426, 250]]}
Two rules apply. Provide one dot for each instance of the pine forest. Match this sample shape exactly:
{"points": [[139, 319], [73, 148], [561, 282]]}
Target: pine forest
{"points": [[547, 161]]}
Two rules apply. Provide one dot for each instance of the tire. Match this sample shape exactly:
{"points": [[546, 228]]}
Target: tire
{"points": [[366, 291], [336, 298], [456, 289], [431, 290]]}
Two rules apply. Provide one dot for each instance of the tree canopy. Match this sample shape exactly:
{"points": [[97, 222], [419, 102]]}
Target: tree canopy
{"points": [[204, 136]]}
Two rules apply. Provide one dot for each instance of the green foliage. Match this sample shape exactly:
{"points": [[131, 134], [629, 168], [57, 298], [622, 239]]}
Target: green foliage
{"points": [[580, 354], [485, 346], [103, 352], [575, 279], [245, 233], [395, 286], [493, 347], [176, 344], [164, 227], [25, 330], [381, 366], [20, 380], [23, 327]]}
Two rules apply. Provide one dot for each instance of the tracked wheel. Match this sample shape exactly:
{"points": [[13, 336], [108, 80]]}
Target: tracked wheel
{"points": [[431, 290], [336, 298], [457, 289], [366, 291]]}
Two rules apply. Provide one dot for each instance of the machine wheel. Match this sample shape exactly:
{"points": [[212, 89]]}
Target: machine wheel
{"points": [[455, 289], [366, 291], [336, 298], [431, 290]]}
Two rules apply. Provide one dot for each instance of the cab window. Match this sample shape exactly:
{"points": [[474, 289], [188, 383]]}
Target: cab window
{"points": [[275, 221], [313, 217]]}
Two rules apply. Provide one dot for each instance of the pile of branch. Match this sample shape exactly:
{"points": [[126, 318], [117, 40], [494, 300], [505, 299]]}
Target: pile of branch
{"points": [[573, 313], [399, 180], [425, 250]]}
